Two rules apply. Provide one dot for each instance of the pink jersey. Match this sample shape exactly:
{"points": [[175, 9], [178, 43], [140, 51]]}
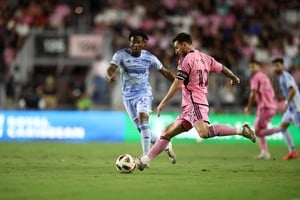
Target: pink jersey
{"points": [[261, 83], [194, 69]]}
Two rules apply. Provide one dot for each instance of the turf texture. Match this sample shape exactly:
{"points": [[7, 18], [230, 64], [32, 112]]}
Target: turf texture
{"points": [[56, 170]]}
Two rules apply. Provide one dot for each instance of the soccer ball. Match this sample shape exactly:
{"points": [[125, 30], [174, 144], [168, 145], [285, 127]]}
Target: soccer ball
{"points": [[125, 163]]}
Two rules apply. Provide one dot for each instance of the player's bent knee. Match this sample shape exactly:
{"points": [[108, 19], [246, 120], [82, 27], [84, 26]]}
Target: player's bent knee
{"points": [[202, 130], [203, 134]]}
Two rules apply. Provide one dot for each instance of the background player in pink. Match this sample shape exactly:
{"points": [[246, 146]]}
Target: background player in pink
{"points": [[291, 108], [261, 92], [192, 77]]}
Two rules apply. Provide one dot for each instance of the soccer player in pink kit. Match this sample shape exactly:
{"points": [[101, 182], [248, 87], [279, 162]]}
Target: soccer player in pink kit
{"points": [[192, 78], [291, 114], [261, 92]]}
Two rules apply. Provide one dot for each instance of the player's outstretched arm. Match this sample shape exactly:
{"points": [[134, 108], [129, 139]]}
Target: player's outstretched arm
{"points": [[234, 79], [110, 73], [251, 101], [176, 85], [167, 74]]}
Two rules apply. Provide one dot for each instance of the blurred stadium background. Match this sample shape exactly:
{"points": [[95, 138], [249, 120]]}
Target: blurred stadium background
{"points": [[53, 58], [54, 53]]}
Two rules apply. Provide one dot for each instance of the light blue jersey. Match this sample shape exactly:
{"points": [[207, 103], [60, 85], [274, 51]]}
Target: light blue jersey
{"points": [[135, 72], [292, 114], [286, 81]]}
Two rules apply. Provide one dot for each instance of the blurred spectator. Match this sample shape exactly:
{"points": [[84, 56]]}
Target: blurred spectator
{"points": [[58, 18], [31, 95], [296, 75], [50, 93], [13, 87], [96, 80], [9, 93], [76, 86], [2, 90], [291, 45], [296, 59], [3, 81], [84, 102], [226, 94]]}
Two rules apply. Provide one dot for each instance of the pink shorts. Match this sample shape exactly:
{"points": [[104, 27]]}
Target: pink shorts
{"points": [[192, 114], [263, 117]]}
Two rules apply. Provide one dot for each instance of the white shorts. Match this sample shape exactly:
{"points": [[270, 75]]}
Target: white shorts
{"points": [[138, 105], [292, 117]]}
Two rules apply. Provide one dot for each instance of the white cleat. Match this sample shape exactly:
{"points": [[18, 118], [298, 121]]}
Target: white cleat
{"points": [[138, 164], [171, 154], [263, 156]]}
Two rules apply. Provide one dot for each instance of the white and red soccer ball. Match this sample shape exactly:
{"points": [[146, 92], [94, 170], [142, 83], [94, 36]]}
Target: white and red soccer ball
{"points": [[125, 163]]}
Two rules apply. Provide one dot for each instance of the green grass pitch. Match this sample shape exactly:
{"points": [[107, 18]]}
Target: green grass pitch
{"points": [[48, 170]]}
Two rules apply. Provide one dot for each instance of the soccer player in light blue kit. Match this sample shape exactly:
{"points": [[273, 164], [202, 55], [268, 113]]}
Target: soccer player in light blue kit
{"points": [[135, 63], [290, 91], [291, 114]]}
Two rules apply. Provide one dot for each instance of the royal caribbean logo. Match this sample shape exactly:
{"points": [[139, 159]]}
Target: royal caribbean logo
{"points": [[2, 118], [39, 127]]}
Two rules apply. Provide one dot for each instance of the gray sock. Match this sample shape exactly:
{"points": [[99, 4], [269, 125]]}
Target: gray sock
{"points": [[145, 136], [288, 139]]}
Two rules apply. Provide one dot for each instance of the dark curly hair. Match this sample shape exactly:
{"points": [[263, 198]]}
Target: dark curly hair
{"points": [[138, 33]]}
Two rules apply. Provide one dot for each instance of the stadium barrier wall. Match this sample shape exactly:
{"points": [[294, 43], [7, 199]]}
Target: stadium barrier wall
{"points": [[62, 126], [236, 120], [109, 126]]}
